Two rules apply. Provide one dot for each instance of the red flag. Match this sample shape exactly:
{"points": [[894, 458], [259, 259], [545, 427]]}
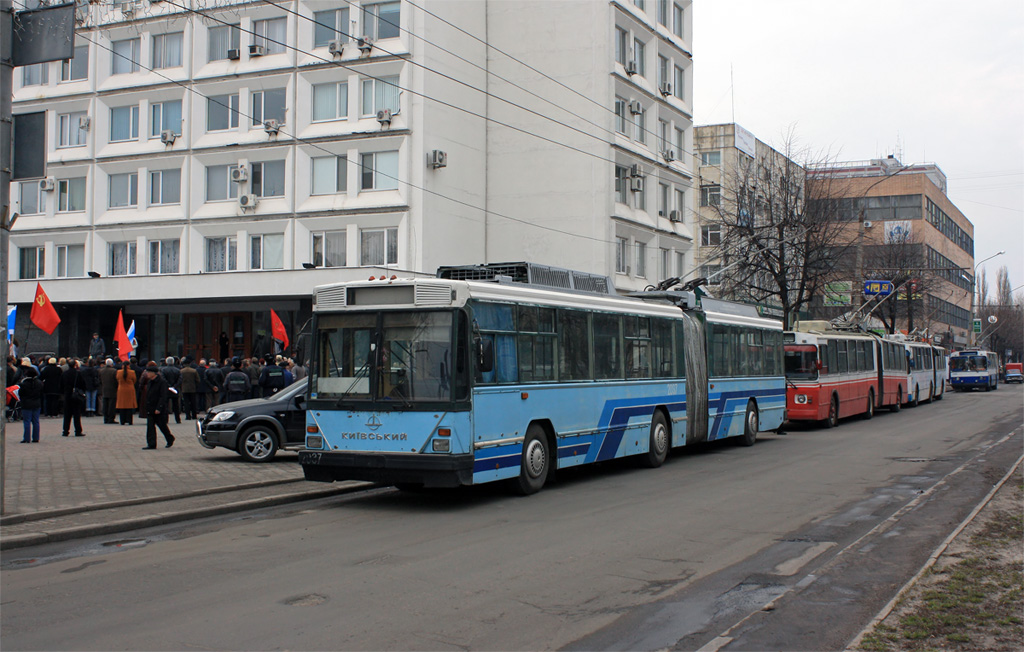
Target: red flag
{"points": [[124, 345], [44, 315], [277, 329]]}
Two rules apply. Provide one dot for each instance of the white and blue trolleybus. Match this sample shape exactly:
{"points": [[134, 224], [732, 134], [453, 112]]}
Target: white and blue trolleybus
{"points": [[974, 369], [442, 382]]}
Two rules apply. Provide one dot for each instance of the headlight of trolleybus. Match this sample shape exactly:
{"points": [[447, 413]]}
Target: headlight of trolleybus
{"points": [[802, 399]]}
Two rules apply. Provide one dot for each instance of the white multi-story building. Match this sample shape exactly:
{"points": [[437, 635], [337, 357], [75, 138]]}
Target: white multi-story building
{"points": [[209, 161]]}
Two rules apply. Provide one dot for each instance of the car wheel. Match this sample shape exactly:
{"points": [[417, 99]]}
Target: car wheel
{"points": [[257, 444], [870, 412], [535, 463], [751, 424], [657, 449]]}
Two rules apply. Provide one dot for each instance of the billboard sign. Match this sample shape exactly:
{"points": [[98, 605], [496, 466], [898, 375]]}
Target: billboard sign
{"points": [[897, 231], [838, 293], [745, 141]]}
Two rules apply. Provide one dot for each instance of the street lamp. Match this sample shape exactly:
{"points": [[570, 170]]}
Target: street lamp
{"points": [[974, 289]]}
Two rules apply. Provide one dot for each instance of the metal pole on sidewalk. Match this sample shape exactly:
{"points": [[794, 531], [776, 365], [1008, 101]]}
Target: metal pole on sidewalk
{"points": [[6, 120]]}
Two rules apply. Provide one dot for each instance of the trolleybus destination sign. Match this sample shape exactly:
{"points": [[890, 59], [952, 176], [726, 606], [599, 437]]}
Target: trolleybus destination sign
{"points": [[878, 288]]}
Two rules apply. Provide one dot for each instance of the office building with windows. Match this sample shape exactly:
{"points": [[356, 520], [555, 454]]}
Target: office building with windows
{"points": [[210, 161]]}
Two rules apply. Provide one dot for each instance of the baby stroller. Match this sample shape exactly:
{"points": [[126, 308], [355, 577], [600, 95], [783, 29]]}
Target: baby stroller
{"points": [[13, 404]]}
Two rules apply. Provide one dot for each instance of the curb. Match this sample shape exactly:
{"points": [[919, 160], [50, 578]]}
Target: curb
{"points": [[14, 519], [164, 518]]}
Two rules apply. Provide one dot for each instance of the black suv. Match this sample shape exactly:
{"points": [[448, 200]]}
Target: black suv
{"points": [[257, 427]]}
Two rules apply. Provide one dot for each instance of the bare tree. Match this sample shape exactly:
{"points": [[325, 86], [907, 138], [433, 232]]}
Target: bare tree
{"points": [[781, 240], [1008, 331], [900, 259]]}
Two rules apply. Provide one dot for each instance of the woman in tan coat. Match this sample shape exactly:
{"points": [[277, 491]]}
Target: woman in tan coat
{"points": [[126, 403]]}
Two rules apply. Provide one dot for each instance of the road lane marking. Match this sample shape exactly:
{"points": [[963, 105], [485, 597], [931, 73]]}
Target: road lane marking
{"points": [[793, 565]]}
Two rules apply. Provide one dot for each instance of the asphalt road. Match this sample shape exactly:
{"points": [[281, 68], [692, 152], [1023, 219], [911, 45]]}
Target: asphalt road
{"points": [[794, 543]]}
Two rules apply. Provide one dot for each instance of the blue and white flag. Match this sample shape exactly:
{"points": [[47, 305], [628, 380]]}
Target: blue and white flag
{"points": [[12, 314], [131, 337]]}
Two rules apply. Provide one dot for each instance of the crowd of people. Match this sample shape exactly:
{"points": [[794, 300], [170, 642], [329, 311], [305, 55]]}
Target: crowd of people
{"points": [[72, 388]]}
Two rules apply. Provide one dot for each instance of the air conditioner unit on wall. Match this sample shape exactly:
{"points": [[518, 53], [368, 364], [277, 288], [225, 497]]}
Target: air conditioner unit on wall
{"points": [[248, 201], [336, 47], [675, 216], [256, 50], [272, 126], [635, 171], [234, 54], [365, 44], [84, 122], [47, 184], [666, 89], [384, 116], [167, 137], [669, 155], [240, 173], [867, 224], [636, 184], [437, 159], [631, 68], [635, 107]]}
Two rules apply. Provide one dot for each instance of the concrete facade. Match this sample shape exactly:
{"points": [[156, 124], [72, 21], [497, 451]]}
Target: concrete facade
{"points": [[154, 217]]}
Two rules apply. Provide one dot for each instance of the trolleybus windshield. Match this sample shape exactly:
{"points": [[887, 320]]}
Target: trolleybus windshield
{"points": [[801, 362], [969, 363]]}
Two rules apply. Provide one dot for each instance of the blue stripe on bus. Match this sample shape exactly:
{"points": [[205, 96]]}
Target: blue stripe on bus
{"points": [[618, 417], [725, 397]]}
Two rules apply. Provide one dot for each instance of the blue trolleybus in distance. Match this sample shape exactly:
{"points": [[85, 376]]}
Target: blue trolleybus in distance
{"points": [[974, 369], [443, 382]]}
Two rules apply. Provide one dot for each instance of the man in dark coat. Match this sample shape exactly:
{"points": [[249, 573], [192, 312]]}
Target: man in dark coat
{"points": [[97, 347], [215, 379], [236, 384], [31, 398], [172, 375], [156, 407], [272, 378], [108, 388], [70, 381], [189, 387], [50, 375]]}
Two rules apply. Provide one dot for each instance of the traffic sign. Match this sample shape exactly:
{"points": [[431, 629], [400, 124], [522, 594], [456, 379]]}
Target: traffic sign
{"points": [[878, 288], [977, 325]]}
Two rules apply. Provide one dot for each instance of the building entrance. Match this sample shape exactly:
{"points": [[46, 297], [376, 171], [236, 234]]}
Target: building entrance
{"points": [[218, 336]]}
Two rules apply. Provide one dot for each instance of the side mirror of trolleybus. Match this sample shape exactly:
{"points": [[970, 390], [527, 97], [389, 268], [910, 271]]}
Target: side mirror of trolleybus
{"points": [[485, 355], [818, 365]]}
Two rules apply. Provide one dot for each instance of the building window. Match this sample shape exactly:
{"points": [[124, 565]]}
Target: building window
{"points": [[710, 195], [641, 196], [330, 101], [666, 263], [330, 175], [621, 255], [663, 142], [222, 112], [329, 26], [163, 256], [221, 254], [165, 116], [711, 158], [680, 264], [663, 195], [662, 71], [268, 105], [378, 246], [222, 39], [124, 190], [380, 94], [70, 261], [663, 12], [678, 82], [679, 144], [37, 74], [380, 171], [713, 273], [125, 56], [71, 195], [268, 179], [329, 249], [124, 123], [639, 57], [31, 198], [69, 129], [641, 4], [621, 46], [621, 183], [219, 185], [681, 201], [267, 251], [641, 259], [32, 262], [620, 115], [711, 235], [381, 20], [677, 20], [640, 122], [165, 187], [167, 50], [77, 68], [122, 259], [271, 34]]}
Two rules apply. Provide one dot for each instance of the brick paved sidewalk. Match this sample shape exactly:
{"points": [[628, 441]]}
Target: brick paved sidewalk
{"points": [[108, 465]]}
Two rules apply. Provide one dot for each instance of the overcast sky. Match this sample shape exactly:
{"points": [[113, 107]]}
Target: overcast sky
{"points": [[929, 80]]}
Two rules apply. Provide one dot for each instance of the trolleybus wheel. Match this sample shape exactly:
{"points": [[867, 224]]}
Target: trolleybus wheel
{"points": [[917, 396], [657, 450], [939, 396], [536, 462], [751, 423], [870, 412], [898, 405], [257, 444], [833, 413]]}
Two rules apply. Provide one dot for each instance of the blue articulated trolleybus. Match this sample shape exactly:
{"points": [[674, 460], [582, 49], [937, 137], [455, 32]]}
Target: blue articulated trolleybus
{"points": [[442, 382]]}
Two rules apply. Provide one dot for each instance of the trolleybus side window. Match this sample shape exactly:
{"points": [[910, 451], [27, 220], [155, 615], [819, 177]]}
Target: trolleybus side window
{"points": [[574, 345], [607, 346], [844, 364], [823, 350], [833, 358], [638, 346], [661, 338], [496, 322], [536, 353]]}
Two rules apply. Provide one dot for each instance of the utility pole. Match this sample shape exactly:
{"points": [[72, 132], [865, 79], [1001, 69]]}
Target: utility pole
{"points": [[6, 122]]}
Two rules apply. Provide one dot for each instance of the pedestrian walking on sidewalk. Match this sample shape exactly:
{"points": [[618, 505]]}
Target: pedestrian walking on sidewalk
{"points": [[189, 387], [108, 390], [157, 394], [126, 394], [72, 385], [30, 395]]}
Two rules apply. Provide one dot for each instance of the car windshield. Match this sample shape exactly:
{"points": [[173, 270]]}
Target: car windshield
{"points": [[393, 358], [289, 391], [801, 361]]}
